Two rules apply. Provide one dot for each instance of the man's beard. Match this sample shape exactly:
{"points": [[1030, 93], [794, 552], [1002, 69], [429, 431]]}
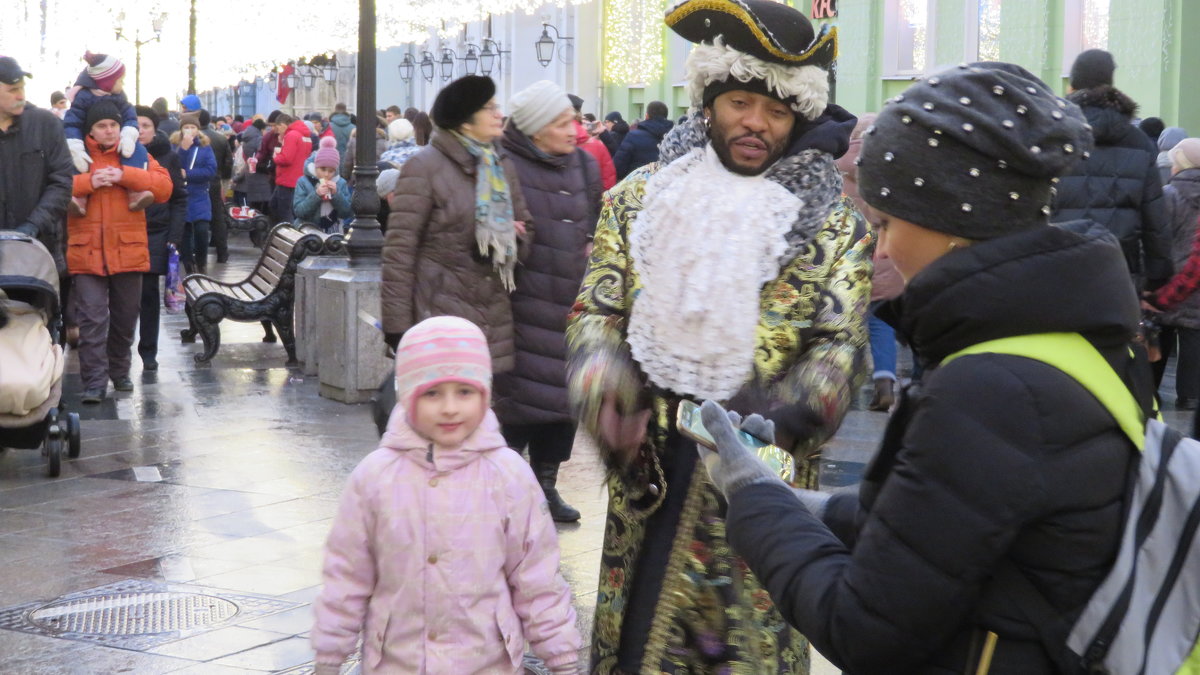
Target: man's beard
{"points": [[721, 146]]}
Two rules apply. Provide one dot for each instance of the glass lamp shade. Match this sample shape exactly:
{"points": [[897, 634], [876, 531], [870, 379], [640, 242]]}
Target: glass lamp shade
{"points": [[447, 66], [329, 72], [310, 76], [545, 48], [291, 81], [471, 60], [487, 60], [427, 67], [406, 68]]}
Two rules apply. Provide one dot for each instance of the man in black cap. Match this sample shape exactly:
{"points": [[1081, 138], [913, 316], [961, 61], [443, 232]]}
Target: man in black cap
{"points": [[35, 166], [1118, 184], [743, 212], [615, 130]]}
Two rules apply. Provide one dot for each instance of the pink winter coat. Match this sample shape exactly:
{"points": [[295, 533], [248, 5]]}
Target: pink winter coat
{"points": [[446, 566]]}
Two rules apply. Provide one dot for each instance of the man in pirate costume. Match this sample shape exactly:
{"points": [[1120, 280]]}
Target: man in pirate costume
{"points": [[734, 269]]}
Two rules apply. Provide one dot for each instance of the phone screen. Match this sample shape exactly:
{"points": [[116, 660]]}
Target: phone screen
{"points": [[691, 425]]}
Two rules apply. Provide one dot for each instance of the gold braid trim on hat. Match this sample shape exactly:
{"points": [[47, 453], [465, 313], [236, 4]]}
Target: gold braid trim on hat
{"points": [[736, 10]]}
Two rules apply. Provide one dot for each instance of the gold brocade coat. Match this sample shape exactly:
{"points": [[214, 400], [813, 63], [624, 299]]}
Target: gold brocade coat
{"points": [[711, 614]]}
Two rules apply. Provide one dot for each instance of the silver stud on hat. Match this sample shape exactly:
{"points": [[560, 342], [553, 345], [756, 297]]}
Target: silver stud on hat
{"points": [[1014, 196], [933, 142], [1046, 210], [998, 90], [898, 98], [965, 100], [975, 173], [918, 181], [928, 106], [1068, 148], [966, 207], [887, 157], [1035, 149], [883, 192], [1002, 164], [1057, 114], [968, 127], [906, 119], [1086, 154], [1007, 124], [934, 81], [708, 23], [1031, 90], [1021, 110], [871, 130]]}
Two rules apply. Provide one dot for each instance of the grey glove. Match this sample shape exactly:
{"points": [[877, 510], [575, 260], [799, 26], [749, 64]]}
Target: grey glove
{"points": [[738, 465]]}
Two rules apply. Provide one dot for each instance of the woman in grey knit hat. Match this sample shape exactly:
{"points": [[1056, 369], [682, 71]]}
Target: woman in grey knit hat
{"points": [[998, 486]]}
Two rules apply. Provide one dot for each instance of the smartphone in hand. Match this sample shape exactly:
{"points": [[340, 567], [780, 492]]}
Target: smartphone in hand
{"points": [[690, 425]]}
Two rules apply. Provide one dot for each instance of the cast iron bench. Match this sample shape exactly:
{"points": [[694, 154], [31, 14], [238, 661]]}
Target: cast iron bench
{"points": [[245, 219], [266, 295]]}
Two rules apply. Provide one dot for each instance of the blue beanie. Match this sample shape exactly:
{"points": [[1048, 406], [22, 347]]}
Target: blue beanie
{"points": [[191, 102]]}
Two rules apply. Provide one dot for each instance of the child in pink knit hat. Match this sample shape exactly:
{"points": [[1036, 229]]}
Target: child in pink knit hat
{"points": [[443, 554], [322, 197], [103, 79]]}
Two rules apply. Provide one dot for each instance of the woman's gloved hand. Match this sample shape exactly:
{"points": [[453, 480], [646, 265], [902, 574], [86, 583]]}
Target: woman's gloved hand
{"points": [[739, 465]]}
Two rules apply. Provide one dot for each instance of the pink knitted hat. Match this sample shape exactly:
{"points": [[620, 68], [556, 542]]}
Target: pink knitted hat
{"points": [[104, 70], [327, 154], [441, 349]]}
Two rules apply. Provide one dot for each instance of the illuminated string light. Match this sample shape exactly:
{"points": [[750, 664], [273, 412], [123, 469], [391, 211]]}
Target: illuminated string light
{"points": [[633, 41]]}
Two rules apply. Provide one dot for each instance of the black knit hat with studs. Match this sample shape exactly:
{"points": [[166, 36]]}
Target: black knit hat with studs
{"points": [[973, 151]]}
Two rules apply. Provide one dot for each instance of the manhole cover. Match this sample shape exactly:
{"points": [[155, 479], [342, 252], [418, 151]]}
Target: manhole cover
{"points": [[133, 613]]}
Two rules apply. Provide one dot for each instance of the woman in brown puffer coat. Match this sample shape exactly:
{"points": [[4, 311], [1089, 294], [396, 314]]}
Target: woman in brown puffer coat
{"points": [[458, 218]]}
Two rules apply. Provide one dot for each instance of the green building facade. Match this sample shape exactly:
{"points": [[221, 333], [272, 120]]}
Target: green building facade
{"points": [[885, 44]]}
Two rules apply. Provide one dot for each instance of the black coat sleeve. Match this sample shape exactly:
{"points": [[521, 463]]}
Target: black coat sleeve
{"points": [[961, 489], [1156, 229], [178, 201], [49, 214]]}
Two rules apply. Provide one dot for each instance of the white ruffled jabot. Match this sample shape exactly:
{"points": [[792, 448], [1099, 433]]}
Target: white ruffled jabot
{"points": [[703, 246]]}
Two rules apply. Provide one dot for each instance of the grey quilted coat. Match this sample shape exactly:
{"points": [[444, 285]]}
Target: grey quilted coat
{"points": [[431, 263], [1182, 198]]}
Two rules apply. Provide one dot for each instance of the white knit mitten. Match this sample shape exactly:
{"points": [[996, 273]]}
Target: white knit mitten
{"points": [[79, 154], [129, 140]]}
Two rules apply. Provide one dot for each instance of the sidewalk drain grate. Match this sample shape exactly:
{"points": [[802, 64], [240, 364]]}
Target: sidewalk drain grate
{"points": [[133, 613], [137, 614]]}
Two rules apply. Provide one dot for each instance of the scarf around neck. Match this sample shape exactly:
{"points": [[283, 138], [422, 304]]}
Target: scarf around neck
{"points": [[495, 232]]}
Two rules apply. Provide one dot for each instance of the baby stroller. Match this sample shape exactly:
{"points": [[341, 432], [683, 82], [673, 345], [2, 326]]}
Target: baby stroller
{"points": [[31, 353]]}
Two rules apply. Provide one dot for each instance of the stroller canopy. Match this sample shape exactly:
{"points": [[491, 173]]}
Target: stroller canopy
{"points": [[27, 270]]}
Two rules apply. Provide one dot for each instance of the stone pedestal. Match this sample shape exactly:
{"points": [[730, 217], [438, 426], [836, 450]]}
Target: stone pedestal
{"points": [[352, 362], [305, 311]]}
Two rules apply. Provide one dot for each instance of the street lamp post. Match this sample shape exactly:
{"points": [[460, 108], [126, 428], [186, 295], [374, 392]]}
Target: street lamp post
{"points": [[365, 241], [137, 43]]}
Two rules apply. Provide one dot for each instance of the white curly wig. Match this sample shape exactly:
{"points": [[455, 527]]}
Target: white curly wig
{"points": [[804, 88]]}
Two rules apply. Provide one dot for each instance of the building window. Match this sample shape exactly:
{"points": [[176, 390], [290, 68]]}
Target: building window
{"points": [[1086, 28], [988, 42], [908, 37]]}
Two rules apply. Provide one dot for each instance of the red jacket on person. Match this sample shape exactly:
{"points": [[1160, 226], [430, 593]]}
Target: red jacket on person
{"points": [[595, 148], [289, 162]]}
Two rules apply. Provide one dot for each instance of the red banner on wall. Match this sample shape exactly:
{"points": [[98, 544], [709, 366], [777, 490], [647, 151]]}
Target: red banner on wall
{"points": [[281, 88]]}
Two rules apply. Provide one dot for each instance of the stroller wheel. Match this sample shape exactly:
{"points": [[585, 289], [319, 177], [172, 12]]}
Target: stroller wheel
{"points": [[73, 444], [53, 452]]}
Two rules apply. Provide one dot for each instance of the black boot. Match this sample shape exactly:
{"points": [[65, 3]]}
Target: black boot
{"points": [[547, 475]]}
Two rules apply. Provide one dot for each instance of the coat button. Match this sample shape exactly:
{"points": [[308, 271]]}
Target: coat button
{"points": [[432, 559], [433, 636], [433, 482], [654, 489]]}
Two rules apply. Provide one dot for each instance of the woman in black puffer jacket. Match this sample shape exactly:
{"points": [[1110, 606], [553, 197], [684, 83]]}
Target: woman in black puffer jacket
{"points": [[999, 485], [561, 184]]}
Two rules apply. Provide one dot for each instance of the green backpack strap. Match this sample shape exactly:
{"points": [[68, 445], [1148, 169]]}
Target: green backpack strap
{"points": [[1074, 355]]}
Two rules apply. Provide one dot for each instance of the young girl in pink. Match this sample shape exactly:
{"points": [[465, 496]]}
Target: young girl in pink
{"points": [[443, 555]]}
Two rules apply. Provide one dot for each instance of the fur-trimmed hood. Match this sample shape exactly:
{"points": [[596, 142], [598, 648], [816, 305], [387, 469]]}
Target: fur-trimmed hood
{"points": [[1106, 96]]}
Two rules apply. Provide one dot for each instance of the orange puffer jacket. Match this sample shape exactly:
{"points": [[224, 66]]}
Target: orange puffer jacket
{"points": [[111, 239]]}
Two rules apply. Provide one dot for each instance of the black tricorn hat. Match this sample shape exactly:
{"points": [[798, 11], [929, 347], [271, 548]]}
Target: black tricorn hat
{"points": [[771, 31]]}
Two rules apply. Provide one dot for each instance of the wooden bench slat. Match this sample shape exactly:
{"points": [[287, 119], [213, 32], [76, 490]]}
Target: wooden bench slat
{"points": [[267, 275], [274, 265], [263, 285]]}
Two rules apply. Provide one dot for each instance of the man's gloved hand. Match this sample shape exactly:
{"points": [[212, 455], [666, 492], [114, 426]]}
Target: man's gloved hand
{"points": [[79, 154], [129, 140], [739, 465], [27, 228]]}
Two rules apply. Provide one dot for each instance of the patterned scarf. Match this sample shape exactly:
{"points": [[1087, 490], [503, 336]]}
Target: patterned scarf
{"points": [[494, 229]]}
